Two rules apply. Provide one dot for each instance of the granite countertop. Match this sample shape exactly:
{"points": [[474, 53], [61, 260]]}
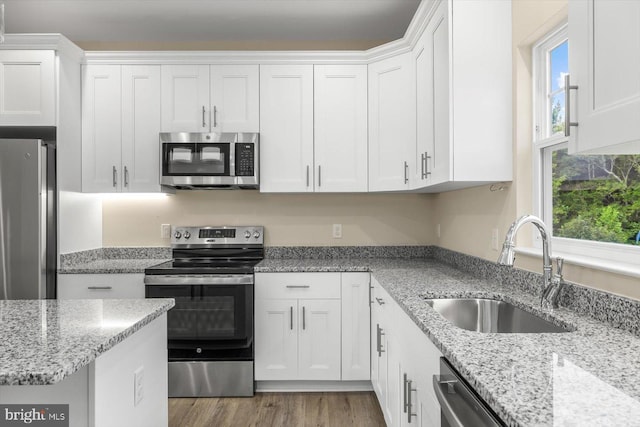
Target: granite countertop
{"points": [[44, 341], [110, 266], [587, 377]]}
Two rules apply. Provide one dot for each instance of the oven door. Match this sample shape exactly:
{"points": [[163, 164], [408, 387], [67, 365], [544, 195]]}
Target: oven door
{"points": [[212, 317], [198, 163]]}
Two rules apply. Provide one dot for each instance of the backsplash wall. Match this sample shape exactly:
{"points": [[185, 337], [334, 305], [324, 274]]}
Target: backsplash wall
{"points": [[289, 219]]}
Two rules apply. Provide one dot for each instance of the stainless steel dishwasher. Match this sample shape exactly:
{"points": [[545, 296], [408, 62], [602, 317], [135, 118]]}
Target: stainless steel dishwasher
{"points": [[459, 405]]}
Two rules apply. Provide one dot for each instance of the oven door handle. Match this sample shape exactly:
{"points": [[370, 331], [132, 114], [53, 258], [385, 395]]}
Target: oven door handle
{"points": [[195, 279]]}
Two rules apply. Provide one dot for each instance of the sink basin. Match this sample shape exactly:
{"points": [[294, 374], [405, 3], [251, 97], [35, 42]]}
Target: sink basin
{"points": [[489, 315]]}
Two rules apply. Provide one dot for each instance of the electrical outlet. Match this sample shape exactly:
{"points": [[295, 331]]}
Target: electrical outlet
{"points": [[438, 231], [337, 231], [494, 239], [138, 385], [165, 231]]}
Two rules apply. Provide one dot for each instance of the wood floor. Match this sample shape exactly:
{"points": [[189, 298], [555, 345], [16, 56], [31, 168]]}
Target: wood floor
{"points": [[278, 409]]}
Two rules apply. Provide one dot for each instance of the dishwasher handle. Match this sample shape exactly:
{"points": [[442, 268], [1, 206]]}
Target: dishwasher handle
{"points": [[459, 405]]}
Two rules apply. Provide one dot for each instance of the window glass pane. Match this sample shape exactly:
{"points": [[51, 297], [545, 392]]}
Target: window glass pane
{"points": [[596, 197], [556, 109], [559, 59]]}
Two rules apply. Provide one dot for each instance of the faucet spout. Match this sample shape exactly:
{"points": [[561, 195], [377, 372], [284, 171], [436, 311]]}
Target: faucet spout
{"points": [[507, 255]]}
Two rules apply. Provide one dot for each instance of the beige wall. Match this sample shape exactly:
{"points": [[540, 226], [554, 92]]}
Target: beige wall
{"points": [[293, 220]]}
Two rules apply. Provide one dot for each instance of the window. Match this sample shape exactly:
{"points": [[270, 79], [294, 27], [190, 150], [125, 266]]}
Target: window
{"points": [[591, 203]]}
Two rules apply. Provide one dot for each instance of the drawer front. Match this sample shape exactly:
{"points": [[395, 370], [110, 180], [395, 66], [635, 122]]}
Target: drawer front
{"points": [[297, 285], [97, 286]]}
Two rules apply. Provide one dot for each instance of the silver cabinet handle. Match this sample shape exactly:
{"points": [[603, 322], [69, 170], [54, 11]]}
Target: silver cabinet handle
{"points": [[291, 316], [404, 393], [422, 162], [380, 301], [379, 334], [370, 294], [304, 324], [99, 288], [567, 105], [319, 176], [298, 286], [307, 175], [126, 176], [426, 165], [406, 175], [115, 177], [409, 403], [215, 116], [204, 123]]}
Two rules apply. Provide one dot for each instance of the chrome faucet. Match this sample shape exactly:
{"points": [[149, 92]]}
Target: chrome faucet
{"points": [[553, 284]]}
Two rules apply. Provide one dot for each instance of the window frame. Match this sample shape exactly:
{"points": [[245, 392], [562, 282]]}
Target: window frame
{"points": [[584, 252]]}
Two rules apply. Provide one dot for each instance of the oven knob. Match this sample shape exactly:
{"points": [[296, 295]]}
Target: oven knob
{"points": [[198, 350], [177, 235], [187, 234], [256, 234], [247, 234]]}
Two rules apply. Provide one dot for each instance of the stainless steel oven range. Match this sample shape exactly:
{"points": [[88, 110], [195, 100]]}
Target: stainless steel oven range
{"points": [[210, 329]]}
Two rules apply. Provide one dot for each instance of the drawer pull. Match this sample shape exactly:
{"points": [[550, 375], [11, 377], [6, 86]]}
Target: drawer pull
{"points": [[100, 288], [298, 286]]}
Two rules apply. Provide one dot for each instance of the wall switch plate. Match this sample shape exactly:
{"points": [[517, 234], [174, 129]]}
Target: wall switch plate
{"points": [[165, 231], [138, 385], [438, 231], [494, 239], [337, 231]]}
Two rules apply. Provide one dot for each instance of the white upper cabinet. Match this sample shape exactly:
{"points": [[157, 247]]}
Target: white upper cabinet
{"points": [[101, 128], [185, 98], [140, 128], [27, 88], [286, 128], [431, 55], [121, 122], [604, 62], [464, 105], [235, 98], [340, 123], [392, 131], [203, 98]]}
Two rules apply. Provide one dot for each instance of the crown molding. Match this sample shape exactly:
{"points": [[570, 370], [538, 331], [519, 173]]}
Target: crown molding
{"points": [[56, 42]]}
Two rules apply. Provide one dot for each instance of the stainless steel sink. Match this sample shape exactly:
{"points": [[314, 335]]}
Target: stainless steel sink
{"points": [[489, 315]]}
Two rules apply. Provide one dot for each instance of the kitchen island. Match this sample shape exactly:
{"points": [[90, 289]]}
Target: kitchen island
{"points": [[106, 359]]}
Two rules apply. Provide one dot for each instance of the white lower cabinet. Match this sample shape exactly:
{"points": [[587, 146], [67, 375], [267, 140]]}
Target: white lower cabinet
{"points": [[300, 321], [403, 362], [99, 286]]}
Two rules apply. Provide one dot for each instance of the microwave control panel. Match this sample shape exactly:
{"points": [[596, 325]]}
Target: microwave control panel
{"points": [[245, 158]]}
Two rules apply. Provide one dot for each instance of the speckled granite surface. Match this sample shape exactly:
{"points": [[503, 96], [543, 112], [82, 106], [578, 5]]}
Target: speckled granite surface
{"points": [[116, 260], [44, 341], [587, 377], [336, 252]]}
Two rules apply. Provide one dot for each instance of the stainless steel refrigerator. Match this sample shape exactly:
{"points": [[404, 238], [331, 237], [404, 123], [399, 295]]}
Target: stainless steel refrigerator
{"points": [[28, 240]]}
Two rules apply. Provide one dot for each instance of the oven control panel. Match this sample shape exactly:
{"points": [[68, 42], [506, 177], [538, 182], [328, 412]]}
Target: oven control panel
{"points": [[217, 235]]}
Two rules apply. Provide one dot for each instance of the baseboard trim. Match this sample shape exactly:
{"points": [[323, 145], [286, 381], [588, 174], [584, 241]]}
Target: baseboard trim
{"points": [[312, 386]]}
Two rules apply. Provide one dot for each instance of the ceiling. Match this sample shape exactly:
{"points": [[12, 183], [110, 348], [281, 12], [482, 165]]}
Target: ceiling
{"points": [[189, 21]]}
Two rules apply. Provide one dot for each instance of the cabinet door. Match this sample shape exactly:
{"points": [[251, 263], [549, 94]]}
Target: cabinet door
{"points": [[101, 129], [392, 133], [276, 339], [185, 98], [100, 286], [286, 128], [319, 347], [235, 98], [140, 128], [356, 355], [433, 153], [604, 42], [27, 88], [340, 123]]}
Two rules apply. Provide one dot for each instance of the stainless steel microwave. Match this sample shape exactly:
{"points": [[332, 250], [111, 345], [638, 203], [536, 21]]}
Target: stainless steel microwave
{"points": [[209, 160]]}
